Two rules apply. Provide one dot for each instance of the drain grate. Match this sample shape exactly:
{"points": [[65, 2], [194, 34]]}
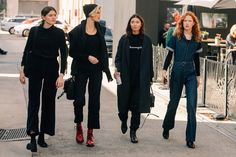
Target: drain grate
{"points": [[13, 134]]}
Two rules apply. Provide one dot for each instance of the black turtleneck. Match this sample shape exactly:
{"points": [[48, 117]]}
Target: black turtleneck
{"points": [[48, 42]]}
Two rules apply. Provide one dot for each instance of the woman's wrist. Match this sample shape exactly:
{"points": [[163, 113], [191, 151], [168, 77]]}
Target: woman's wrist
{"points": [[21, 69]]}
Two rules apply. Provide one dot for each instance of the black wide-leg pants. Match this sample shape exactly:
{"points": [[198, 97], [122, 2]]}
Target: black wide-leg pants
{"points": [[42, 81]]}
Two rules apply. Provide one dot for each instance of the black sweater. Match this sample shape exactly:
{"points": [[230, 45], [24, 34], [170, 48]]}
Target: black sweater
{"points": [[135, 48], [47, 44], [78, 51]]}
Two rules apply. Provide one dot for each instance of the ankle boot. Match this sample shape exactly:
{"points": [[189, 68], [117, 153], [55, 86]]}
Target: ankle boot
{"points": [[133, 136], [90, 138], [124, 127], [32, 146], [165, 134], [79, 133], [41, 141]]}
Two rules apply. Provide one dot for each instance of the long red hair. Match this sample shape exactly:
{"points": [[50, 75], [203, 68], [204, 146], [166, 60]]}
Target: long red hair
{"points": [[179, 31]]}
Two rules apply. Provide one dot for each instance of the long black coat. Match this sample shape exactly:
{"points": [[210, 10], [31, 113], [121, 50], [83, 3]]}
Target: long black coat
{"points": [[146, 74]]}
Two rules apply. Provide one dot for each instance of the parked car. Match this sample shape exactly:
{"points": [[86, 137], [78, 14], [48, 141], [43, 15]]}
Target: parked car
{"points": [[108, 38], [109, 41], [31, 20], [8, 24], [23, 29]]}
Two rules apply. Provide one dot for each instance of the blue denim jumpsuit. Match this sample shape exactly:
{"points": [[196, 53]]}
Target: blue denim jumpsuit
{"points": [[183, 73]]}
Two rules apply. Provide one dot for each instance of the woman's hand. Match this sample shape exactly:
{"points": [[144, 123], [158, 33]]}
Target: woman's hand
{"points": [[116, 74], [93, 60], [198, 81], [22, 76], [164, 75], [60, 81]]}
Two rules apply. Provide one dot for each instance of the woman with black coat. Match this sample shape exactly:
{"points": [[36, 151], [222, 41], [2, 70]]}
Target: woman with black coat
{"points": [[134, 67], [90, 58], [42, 47]]}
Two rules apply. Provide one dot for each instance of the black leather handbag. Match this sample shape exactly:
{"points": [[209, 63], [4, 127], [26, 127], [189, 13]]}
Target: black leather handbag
{"points": [[69, 89]]}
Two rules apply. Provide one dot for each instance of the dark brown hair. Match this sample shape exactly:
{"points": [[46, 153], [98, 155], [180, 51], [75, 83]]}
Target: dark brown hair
{"points": [[128, 28], [46, 10]]}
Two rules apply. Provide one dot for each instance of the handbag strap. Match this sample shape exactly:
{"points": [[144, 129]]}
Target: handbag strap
{"points": [[34, 40], [151, 89]]}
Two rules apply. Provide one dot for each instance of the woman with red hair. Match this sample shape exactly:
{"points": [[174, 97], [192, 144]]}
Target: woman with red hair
{"points": [[185, 45]]}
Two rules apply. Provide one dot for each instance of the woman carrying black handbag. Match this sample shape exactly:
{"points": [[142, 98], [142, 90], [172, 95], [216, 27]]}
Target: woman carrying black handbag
{"points": [[134, 69], [90, 58]]}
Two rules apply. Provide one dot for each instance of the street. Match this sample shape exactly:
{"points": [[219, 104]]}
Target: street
{"points": [[212, 140]]}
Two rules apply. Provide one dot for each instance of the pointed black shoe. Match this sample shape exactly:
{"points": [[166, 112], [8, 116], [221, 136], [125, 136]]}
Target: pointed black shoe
{"points": [[133, 137], [32, 146], [41, 141], [165, 134], [190, 144], [124, 127]]}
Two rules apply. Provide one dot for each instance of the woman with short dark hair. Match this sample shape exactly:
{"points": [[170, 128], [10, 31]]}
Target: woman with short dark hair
{"points": [[41, 51]]}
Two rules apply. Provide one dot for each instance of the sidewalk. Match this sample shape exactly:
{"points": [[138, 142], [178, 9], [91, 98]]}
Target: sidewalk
{"points": [[226, 127], [110, 142]]}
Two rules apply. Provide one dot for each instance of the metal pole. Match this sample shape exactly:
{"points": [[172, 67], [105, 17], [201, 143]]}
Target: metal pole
{"points": [[204, 83], [229, 51]]}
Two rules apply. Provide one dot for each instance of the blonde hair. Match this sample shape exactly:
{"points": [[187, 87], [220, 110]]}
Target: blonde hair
{"points": [[96, 9], [232, 30]]}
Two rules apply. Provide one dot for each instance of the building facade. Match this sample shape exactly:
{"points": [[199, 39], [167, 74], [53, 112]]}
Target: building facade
{"points": [[72, 10], [28, 7]]}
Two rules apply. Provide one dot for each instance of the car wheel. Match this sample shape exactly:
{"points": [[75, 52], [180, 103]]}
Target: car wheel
{"points": [[11, 30], [25, 33]]}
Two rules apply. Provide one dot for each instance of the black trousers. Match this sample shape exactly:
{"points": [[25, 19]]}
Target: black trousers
{"points": [[134, 108], [94, 80], [42, 79]]}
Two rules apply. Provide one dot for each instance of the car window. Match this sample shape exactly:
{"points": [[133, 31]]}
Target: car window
{"points": [[19, 20], [108, 32]]}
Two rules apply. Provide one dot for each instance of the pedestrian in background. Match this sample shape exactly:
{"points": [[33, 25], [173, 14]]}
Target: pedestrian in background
{"points": [[44, 41], [3, 52], [134, 69], [185, 44], [162, 35], [231, 42], [89, 52]]}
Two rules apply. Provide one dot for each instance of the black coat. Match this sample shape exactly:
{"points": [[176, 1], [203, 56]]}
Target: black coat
{"points": [[77, 48], [146, 74]]}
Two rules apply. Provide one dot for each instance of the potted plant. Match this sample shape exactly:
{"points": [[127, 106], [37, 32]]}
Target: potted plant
{"points": [[204, 34]]}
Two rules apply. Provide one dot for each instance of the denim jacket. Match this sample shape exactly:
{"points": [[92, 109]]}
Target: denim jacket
{"points": [[183, 51]]}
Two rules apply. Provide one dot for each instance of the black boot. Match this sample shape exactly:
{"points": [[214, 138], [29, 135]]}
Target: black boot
{"points": [[165, 134], [32, 146], [133, 136], [124, 127], [190, 144], [41, 141]]}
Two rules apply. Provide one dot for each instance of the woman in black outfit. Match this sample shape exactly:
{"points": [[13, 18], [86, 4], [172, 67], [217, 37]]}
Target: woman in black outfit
{"points": [[134, 66], [90, 58], [44, 41]]}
